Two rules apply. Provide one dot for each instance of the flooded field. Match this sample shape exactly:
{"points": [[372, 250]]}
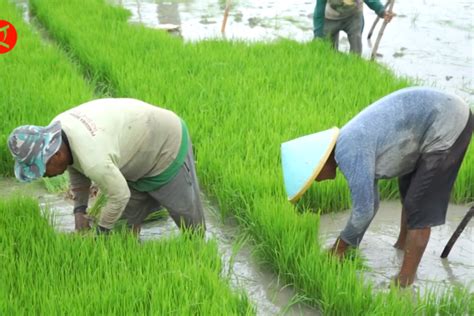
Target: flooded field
{"points": [[426, 41], [431, 42], [263, 288], [384, 261]]}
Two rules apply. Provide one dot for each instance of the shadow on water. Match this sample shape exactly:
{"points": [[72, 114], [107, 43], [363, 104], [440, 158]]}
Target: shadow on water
{"points": [[240, 266]]}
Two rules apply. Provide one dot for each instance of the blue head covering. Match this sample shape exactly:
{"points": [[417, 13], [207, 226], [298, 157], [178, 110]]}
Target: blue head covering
{"points": [[303, 159], [32, 146]]}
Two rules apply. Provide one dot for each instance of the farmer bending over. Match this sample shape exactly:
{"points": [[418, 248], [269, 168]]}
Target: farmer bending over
{"points": [[332, 16], [140, 155], [419, 135]]}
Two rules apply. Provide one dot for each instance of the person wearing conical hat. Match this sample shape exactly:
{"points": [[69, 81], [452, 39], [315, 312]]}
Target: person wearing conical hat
{"points": [[418, 135], [138, 154]]}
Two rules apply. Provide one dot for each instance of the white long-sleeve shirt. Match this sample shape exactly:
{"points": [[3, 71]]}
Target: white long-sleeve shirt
{"points": [[113, 141]]}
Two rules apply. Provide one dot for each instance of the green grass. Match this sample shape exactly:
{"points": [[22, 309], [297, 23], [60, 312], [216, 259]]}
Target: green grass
{"points": [[58, 184], [241, 101], [46, 273], [37, 81]]}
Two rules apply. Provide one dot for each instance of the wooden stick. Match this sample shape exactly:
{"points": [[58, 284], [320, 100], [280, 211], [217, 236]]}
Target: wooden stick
{"points": [[382, 29], [376, 21], [226, 14], [458, 232]]}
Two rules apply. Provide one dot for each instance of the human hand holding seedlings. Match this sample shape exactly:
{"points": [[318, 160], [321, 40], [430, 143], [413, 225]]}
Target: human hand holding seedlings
{"points": [[339, 248]]}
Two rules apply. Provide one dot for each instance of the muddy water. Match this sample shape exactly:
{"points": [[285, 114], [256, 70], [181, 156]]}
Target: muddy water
{"points": [[244, 272], [264, 290], [431, 41], [272, 298], [384, 260]]}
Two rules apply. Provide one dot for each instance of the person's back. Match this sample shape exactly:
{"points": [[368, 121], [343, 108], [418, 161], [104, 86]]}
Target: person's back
{"points": [[389, 139], [394, 131], [142, 140]]}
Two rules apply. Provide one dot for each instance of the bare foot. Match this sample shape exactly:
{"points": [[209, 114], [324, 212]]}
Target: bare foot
{"points": [[399, 245], [403, 281]]}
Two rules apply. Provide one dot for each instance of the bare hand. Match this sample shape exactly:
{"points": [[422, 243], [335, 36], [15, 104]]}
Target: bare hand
{"points": [[136, 228], [339, 249], [81, 221], [387, 16]]}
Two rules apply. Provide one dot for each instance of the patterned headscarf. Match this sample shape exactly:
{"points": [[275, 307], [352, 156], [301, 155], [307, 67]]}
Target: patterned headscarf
{"points": [[32, 146]]}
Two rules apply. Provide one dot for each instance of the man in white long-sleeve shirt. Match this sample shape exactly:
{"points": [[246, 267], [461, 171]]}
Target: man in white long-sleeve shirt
{"points": [[140, 155]]}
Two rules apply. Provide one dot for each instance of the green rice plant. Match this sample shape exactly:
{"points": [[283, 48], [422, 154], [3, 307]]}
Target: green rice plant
{"points": [[46, 273], [101, 200], [99, 203], [59, 184], [241, 101], [37, 81]]}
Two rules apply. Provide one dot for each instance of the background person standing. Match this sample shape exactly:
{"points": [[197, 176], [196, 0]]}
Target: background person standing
{"points": [[332, 16]]}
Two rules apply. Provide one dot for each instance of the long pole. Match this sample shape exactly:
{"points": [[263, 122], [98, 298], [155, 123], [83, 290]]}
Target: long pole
{"points": [[226, 14], [376, 21], [382, 29], [458, 232]]}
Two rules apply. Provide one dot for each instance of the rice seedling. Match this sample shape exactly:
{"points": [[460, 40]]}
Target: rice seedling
{"points": [[241, 101], [57, 184], [47, 273], [101, 200]]}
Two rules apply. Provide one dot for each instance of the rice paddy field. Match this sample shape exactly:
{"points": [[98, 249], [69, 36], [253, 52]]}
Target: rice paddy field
{"points": [[241, 101]]}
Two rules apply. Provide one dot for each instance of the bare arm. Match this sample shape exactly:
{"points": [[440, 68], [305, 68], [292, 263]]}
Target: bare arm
{"points": [[80, 186]]}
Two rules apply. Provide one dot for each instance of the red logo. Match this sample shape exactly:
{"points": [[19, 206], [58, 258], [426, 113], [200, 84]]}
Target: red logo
{"points": [[8, 36]]}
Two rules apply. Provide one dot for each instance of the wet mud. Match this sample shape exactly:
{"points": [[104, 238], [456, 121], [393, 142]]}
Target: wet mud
{"points": [[240, 266], [263, 287], [384, 261]]}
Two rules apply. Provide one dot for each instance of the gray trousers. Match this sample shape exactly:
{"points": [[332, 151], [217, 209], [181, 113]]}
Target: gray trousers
{"points": [[180, 196], [352, 26]]}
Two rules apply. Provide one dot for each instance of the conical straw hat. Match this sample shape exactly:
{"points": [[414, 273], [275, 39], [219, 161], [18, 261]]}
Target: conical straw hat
{"points": [[303, 159]]}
